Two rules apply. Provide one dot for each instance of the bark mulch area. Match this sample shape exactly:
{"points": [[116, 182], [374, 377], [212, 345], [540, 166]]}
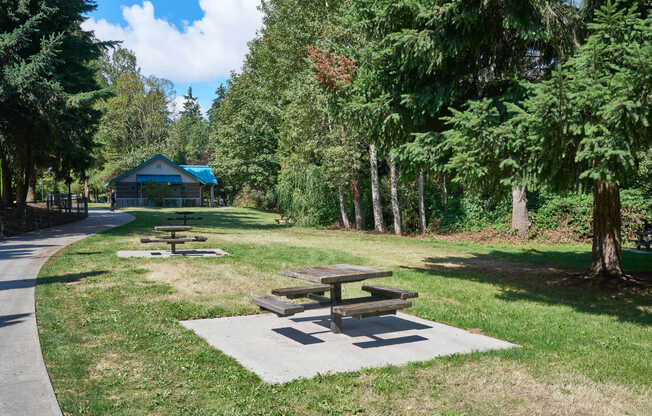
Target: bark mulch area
{"points": [[33, 217]]}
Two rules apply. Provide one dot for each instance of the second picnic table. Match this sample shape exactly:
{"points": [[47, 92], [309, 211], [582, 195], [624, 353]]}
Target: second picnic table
{"points": [[186, 217], [383, 300]]}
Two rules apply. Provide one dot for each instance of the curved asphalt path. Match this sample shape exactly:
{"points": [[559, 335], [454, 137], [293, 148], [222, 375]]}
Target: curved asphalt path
{"points": [[25, 387]]}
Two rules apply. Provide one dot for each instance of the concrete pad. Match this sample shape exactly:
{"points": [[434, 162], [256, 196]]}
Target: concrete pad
{"points": [[152, 254], [283, 349]]}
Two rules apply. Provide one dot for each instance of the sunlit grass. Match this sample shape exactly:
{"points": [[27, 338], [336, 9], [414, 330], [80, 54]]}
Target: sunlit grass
{"points": [[113, 345]]}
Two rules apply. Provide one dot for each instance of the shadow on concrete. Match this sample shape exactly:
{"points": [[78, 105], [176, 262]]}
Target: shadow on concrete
{"points": [[379, 342], [8, 320], [64, 278], [354, 328], [17, 251]]}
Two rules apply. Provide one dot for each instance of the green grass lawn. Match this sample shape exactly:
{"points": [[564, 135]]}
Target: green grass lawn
{"points": [[113, 345]]}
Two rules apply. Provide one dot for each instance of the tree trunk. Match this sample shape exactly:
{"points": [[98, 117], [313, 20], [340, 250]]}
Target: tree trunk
{"points": [[520, 220], [7, 192], [21, 188], [422, 204], [607, 260], [31, 189], [86, 190], [379, 223], [357, 206], [396, 210], [445, 192], [345, 217]]}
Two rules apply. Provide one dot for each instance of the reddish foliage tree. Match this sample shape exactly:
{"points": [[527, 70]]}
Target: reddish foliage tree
{"points": [[332, 70]]}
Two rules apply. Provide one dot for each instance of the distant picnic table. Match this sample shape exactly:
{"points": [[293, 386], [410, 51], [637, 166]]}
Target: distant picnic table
{"points": [[185, 217], [173, 239], [383, 300], [644, 240]]}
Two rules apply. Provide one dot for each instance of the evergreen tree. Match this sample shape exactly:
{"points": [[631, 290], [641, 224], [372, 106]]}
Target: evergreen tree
{"points": [[591, 121], [47, 87]]}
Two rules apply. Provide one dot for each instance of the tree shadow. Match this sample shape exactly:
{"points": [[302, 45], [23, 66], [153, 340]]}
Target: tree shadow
{"points": [[534, 281], [8, 320], [18, 251], [47, 280], [69, 277], [147, 220]]}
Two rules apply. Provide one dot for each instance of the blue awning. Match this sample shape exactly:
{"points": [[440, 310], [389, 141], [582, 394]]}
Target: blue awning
{"points": [[171, 179]]}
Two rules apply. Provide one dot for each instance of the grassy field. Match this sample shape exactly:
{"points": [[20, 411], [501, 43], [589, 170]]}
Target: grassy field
{"points": [[113, 345]]}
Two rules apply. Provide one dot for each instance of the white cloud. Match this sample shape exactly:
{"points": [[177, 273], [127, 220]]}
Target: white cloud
{"points": [[204, 50]]}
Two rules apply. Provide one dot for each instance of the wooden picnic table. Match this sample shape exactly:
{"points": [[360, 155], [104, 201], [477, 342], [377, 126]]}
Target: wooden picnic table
{"points": [[186, 217], [644, 240], [335, 276], [173, 239]]}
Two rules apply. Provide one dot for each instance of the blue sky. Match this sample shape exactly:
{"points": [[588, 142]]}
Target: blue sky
{"points": [[190, 42]]}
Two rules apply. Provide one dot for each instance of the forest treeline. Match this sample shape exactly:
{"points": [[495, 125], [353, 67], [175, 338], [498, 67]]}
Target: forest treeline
{"points": [[410, 115], [402, 116]]}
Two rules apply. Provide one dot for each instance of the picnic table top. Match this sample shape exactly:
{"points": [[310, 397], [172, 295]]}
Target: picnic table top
{"points": [[173, 228], [337, 273]]}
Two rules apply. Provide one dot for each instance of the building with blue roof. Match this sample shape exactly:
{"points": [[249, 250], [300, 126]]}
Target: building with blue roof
{"points": [[185, 183]]}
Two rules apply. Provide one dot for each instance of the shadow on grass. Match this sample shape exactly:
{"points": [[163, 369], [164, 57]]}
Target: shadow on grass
{"points": [[69, 277], [64, 278], [146, 220], [533, 281]]}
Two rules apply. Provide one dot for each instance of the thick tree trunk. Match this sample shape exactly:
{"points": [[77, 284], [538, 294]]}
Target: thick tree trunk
{"points": [[357, 206], [607, 260], [345, 218], [379, 223], [520, 220], [422, 204], [7, 192], [396, 209]]}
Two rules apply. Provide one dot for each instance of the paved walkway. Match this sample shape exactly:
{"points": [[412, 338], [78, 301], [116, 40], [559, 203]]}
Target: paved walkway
{"points": [[25, 387]]}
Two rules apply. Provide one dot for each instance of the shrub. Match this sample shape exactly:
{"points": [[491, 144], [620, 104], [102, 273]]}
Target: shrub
{"points": [[306, 194], [155, 192]]}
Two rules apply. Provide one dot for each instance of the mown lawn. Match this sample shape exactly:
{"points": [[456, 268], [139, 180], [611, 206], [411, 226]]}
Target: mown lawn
{"points": [[113, 345]]}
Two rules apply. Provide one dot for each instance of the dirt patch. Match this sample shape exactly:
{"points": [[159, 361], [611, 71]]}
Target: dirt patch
{"points": [[226, 285], [496, 386]]}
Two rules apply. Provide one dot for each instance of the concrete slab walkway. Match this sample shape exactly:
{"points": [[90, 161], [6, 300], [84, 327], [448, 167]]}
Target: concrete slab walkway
{"points": [[283, 349], [25, 387]]}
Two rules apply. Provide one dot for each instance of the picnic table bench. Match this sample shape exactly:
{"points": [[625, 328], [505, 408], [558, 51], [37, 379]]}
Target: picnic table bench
{"points": [[185, 217], [284, 220], [383, 300], [173, 239], [644, 240]]}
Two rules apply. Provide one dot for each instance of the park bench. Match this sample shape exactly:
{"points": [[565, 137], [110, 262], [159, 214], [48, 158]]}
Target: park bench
{"points": [[373, 308], [284, 220], [279, 306]]}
